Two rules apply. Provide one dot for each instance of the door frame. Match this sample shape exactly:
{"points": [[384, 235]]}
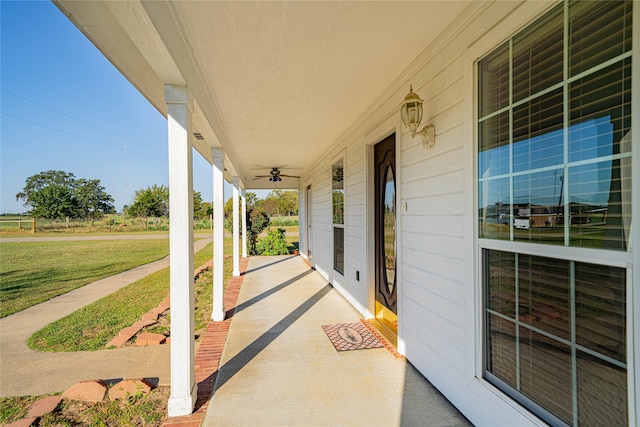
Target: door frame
{"points": [[385, 159], [308, 221], [392, 124]]}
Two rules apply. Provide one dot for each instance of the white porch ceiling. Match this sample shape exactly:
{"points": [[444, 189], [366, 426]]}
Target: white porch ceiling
{"points": [[275, 83]]}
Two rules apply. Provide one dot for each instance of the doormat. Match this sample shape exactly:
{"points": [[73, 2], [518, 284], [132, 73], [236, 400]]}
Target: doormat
{"points": [[351, 336]]}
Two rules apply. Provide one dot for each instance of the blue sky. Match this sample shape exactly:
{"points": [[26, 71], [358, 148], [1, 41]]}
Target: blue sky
{"points": [[65, 107]]}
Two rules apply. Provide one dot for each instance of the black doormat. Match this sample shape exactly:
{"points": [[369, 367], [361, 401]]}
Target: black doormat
{"points": [[351, 336]]}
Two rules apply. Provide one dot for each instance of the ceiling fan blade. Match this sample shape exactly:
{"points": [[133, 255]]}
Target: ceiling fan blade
{"points": [[289, 176]]}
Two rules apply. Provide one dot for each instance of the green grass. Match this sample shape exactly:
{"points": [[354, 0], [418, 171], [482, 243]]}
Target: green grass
{"points": [[137, 410], [14, 408], [203, 290], [93, 326], [33, 272]]}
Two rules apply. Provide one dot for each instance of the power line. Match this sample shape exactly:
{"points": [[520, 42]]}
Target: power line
{"points": [[78, 119], [77, 136]]}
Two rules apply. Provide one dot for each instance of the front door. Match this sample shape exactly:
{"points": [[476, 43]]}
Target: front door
{"points": [[385, 237]]}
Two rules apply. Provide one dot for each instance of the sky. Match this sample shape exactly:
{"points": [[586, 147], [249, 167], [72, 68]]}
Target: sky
{"points": [[64, 106]]}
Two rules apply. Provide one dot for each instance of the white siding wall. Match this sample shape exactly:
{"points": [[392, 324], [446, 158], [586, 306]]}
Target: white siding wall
{"points": [[439, 299], [322, 240]]}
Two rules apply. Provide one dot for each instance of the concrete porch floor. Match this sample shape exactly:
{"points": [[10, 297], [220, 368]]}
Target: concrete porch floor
{"points": [[279, 368]]}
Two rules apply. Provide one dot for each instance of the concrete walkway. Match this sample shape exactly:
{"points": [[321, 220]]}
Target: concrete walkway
{"points": [[279, 368], [27, 372]]}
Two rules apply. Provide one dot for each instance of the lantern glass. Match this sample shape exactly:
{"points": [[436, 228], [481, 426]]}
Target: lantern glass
{"points": [[412, 115]]}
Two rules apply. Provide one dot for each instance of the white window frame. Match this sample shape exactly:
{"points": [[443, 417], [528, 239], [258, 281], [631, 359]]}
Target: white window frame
{"points": [[603, 257], [339, 158]]}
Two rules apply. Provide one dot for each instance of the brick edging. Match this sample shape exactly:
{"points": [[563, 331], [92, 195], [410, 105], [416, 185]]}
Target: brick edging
{"points": [[150, 318], [207, 358], [390, 348]]}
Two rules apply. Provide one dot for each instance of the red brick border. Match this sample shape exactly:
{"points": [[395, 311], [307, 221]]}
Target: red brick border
{"points": [[208, 356], [390, 348], [306, 261]]}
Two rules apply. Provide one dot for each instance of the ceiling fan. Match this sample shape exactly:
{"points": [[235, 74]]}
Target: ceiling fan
{"points": [[275, 175]]}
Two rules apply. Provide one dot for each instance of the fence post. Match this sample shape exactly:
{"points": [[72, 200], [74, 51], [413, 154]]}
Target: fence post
{"points": [[33, 225]]}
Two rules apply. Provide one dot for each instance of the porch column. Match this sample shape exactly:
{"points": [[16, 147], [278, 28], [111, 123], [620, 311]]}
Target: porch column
{"points": [[183, 386], [244, 223], [236, 227], [218, 313]]}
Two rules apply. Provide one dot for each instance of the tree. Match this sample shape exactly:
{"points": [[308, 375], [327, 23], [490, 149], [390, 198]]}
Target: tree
{"points": [[252, 199], [150, 202], [228, 207], [53, 202], [281, 203], [270, 206], [257, 220], [57, 194], [92, 199], [252, 202], [197, 205], [206, 208], [42, 180], [289, 203]]}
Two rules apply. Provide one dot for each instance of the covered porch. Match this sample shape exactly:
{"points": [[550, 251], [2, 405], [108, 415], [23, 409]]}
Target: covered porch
{"points": [[255, 87], [279, 367], [318, 91]]}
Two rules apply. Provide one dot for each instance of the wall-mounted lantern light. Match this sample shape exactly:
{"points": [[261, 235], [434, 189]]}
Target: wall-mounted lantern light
{"points": [[411, 110]]}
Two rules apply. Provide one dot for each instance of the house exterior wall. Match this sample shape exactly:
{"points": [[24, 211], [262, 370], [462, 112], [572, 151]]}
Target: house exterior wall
{"points": [[440, 320], [321, 210]]}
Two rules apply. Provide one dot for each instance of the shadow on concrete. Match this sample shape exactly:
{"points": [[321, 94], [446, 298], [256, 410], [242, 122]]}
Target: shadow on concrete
{"points": [[233, 366], [270, 264], [248, 303], [423, 404]]}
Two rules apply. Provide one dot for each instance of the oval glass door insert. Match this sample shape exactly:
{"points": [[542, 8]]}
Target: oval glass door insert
{"points": [[389, 215]]}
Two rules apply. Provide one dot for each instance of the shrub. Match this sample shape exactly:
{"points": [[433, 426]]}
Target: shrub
{"points": [[256, 222], [274, 244]]}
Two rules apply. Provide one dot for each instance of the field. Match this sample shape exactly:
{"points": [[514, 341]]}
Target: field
{"points": [[109, 224]]}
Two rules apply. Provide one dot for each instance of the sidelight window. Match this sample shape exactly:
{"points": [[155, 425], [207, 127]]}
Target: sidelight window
{"points": [[337, 191]]}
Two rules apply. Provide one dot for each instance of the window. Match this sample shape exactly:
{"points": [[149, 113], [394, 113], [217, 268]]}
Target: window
{"points": [[554, 169], [337, 180]]}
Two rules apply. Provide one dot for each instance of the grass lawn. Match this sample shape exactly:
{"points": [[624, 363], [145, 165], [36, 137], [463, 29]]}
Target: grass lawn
{"points": [[93, 326], [33, 272]]}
